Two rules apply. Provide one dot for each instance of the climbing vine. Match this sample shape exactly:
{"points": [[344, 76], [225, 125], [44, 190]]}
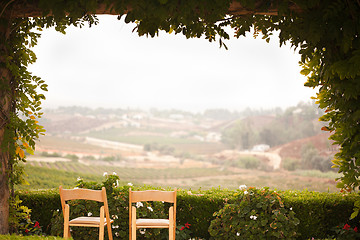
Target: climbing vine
{"points": [[325, 32], [24, 90]]}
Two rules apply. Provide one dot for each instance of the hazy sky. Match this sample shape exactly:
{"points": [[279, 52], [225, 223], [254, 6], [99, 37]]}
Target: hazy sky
{"points": [[108, 65]]}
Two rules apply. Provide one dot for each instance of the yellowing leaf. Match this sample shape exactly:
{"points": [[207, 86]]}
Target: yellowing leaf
{"points": [[32, 117], [17, 150], [21, 153], [25, 144], [325, 129]]}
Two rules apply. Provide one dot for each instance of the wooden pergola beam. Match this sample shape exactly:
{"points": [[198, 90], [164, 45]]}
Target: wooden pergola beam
{"points": [[27, 9]]}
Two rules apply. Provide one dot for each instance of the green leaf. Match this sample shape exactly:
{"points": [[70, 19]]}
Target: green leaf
{"points": [[354, 214]]}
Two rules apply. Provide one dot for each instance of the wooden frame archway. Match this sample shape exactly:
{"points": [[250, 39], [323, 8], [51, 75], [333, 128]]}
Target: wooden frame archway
{"points": [[337, 53]]}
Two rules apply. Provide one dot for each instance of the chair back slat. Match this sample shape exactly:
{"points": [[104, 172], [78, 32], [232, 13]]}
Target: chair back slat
{"points": [[153, 195], [84, 194]]}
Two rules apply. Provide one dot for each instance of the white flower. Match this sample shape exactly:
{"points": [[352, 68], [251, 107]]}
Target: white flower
{"points": [[116, 234], [114, 173], [57, 210], [117, 226], [238, 234], [114, 216], [117, 183], [89, 214], [291, 209], [76, 188], [139, 204], [105, 173], [246, 192], [253, 217], [150, 208], [242, 187], [130, 184], [142, 231], [78, 179]]}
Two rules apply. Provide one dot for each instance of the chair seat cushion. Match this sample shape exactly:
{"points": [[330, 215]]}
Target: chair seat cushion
{"points": [[146, 222], [94, 221]]}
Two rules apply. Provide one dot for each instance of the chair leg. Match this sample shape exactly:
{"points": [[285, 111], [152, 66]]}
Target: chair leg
{"points": [[171, 233], [102, 221], [133, 233], [101, 232], [171, 224], [66, 222], [133, 224], [109, 231]]}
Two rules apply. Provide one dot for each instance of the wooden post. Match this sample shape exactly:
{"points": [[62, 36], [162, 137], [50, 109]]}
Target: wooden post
{"points": [[5, 110]]}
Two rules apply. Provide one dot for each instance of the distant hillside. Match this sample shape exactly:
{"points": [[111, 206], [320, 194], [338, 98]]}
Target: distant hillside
{"points": [[178, 130], [73, 124], [273, 129], [321, 142]]}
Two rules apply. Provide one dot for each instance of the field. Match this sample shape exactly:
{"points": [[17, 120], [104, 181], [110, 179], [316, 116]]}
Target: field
{"points": [[51, 175], [185, 152]]}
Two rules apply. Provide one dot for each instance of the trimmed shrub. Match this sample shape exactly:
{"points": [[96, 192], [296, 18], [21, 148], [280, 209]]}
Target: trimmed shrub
{"points": [[318, 213], [42, 204]]}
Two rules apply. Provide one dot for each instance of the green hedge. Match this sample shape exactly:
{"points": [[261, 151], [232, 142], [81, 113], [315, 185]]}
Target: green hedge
{"points": [[42, 204], [318, 212]]}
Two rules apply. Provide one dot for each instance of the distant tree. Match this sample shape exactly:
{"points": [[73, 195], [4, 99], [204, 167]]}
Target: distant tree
{"points": [[267, 136], [247, 162], [308, 155], [311, 159], [240, 135], [72, 157], [219, 114]]}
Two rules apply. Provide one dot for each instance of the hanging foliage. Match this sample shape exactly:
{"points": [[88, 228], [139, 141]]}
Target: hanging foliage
{"points": [[325, 32]]}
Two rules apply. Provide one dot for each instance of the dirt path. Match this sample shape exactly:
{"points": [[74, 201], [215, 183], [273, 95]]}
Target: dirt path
{"points": [[113, 144]]}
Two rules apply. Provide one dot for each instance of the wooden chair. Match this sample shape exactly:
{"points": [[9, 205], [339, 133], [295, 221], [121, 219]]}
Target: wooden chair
{"points": [[152, 195], [86, 221]]}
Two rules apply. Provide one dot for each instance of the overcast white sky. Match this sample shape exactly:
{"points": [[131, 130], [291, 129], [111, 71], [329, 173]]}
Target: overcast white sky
{"points": [[109, 66]]}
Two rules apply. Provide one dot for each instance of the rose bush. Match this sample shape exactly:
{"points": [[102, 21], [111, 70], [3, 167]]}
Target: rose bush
{"points": [[346, 232], [255, 214]]}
